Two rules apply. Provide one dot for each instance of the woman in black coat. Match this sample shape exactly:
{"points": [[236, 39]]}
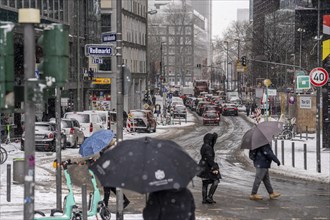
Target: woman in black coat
{"points": [[170, 204], [210, 173]]}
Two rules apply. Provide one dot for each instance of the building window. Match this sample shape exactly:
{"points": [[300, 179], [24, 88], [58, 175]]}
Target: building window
{"points": [[106, 65], [171, 30], [188, 30], [105, 22]]}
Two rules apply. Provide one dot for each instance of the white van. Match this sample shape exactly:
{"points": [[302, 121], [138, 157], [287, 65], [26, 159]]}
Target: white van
{"points": [[89, 121], [109, 119]]}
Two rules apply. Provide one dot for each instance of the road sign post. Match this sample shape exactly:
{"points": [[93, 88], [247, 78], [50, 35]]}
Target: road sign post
{"points": [[318, 77]]}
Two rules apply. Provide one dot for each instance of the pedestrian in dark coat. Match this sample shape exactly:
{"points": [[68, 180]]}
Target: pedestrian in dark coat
{"points": [[210, 172], [262, 158], [170, 204]]}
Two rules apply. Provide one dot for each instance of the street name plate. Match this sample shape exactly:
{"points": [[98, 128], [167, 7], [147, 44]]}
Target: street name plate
{"points": [[98, 50]]}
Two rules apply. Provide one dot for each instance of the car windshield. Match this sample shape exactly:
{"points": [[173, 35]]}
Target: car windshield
{"points": [[66, 124], [44, 127], [82, 118], [181, 108], [211, 114], [138, 114]]}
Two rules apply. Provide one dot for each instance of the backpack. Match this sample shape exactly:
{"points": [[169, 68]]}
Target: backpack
{"points": [[253, 154]]}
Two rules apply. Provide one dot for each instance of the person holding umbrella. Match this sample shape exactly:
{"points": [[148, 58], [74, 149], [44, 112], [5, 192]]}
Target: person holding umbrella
{"points": [[262, 158], [210, 173], [96, 145], [170, 204], [258, 140]]}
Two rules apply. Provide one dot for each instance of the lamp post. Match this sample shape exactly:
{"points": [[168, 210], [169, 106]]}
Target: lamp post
{"points": [[301, 31], [224, 83], [238, 74], [151, 12], [267, 83]]}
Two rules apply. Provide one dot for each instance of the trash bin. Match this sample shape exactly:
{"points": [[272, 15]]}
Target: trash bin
{"points": [[18, 170]]}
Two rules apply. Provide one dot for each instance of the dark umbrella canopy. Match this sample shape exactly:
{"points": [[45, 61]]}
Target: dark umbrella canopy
{"points": [[145, 165], [261, 134]]}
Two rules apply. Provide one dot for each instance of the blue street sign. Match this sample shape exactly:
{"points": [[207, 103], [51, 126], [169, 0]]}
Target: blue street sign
{"points": [[98, 50], [109, 37]]}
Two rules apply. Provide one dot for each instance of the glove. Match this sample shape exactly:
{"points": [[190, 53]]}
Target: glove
{"points": [[279, 163]]}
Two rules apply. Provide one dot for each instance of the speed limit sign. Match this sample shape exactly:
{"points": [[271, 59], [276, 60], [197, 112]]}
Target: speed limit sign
{"points": [[318, 76]]}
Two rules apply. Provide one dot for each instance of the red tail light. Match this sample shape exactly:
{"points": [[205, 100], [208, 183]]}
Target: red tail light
{"points": [[91, 127], [72, 131], [235, 109], [50, 135]]}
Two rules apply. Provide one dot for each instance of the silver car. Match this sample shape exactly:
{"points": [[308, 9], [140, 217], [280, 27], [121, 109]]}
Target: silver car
{"points": [[74, 134]]}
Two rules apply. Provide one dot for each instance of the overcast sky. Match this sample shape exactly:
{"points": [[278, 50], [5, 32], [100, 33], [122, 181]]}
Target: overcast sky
{"points": [[224, 12]]}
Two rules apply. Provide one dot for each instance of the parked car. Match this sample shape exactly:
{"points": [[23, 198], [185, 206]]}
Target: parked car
{"points": [[45, 137], [74, 133], [89, 121], [229, 109], [211, 118], [142, 120], [180, 111]]}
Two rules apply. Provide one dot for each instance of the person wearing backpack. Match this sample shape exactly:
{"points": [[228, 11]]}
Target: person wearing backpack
{"points": [[262, 158]]}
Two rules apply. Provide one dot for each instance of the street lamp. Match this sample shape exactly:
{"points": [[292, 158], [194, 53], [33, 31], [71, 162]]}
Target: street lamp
{"points": [[238, 74], [267, 83], [301, 31], [151, 12], [224, 82]]}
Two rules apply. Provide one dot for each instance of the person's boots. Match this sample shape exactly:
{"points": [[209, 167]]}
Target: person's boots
{"points": [[204, 193], [213, 188]]}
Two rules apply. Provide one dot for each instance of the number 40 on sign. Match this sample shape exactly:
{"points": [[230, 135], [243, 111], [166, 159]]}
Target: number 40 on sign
{"points": [[318, 76]]}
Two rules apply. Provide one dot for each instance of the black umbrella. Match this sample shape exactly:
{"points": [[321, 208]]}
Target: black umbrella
{"points": [[261, 134], [145, 165]]}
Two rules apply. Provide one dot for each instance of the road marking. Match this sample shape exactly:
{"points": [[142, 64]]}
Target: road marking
{"points": [[237, 208], [311, 207], [260, 208], [320, 218]]}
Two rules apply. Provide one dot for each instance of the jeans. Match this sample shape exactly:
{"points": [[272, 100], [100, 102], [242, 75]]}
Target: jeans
{"points": [[262, 174]]}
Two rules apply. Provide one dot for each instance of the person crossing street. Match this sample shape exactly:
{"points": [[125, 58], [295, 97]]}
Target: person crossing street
{"points": [[262, 158]]}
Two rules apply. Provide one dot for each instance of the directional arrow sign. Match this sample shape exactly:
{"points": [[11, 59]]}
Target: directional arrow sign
{"points": [[98, 50]]}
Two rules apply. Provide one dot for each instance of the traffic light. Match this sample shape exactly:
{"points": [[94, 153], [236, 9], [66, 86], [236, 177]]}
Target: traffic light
{"points": [[199, 65], [6, 65], [243, 60], [55, 44]]}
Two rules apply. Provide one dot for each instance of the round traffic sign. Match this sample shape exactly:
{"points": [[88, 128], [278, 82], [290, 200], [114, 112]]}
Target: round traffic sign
{"points": [[318, 76]]}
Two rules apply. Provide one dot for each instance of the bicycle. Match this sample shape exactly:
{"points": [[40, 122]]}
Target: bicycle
{"points": [[3, 155], [288, 129]]}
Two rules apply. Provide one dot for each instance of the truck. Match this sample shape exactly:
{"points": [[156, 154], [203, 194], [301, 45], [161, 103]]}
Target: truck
{"points": [[200, 86], [186, 91]]}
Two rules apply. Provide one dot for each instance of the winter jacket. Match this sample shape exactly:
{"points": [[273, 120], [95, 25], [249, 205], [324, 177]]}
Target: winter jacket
{"points": [[170, 204], [207, 163], [264, 157]]}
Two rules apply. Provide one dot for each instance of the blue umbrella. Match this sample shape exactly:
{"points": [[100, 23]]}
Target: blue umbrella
{"points": [[96, 142]]}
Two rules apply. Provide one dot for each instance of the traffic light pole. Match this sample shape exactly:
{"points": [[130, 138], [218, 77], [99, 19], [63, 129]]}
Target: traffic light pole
{"points": [[28, 17], [58, 149]]}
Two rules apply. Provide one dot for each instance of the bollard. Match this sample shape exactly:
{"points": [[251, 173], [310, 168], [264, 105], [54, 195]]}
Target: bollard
{"points": [[276, 147], [305, 156], [84, 201], [8, 182], [301, 135], [306, 133], [282, 152], [293, 159]]}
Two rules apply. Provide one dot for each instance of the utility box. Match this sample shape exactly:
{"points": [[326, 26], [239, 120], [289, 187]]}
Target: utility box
{"points": [[18, 170]]}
